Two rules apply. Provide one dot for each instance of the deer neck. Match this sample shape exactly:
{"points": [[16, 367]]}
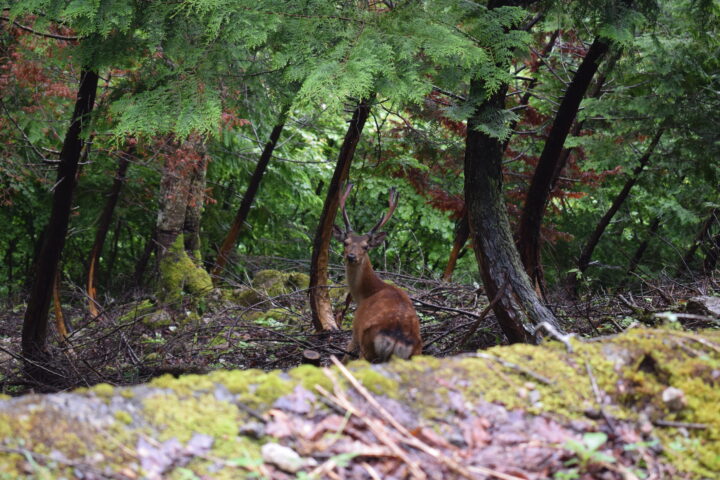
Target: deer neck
{"points": [[362, 280]]}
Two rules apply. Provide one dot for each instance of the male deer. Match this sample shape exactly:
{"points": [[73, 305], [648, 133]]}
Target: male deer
{"points": [[385, 321]]}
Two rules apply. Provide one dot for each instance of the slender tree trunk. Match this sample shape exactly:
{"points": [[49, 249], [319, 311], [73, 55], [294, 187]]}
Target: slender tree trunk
{"points": [[542, 181], [230, 240], [102, 230], [595, 92], [142, 262], [60, 324], [713, 252], [594, 238], [518, 308], [12, 245], [699, 239], [462, 233], [322, 315], [34, 333], [640, 251]]}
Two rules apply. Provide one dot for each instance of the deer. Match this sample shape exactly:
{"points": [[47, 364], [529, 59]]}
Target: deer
{"points": [[385, 323]]}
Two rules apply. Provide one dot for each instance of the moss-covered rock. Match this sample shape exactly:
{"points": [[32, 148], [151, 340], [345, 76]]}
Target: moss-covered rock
{"points": [[107, 429]]}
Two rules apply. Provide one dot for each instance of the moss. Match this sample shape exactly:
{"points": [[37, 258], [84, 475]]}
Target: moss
{"points": [[309, 377], [300, 281], [123, 417], [179, 275], [140, 309], [103, 390], [374, 381], [126, 393]]}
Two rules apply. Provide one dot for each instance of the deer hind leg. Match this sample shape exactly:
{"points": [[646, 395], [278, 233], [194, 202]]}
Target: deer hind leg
{"points": [[353, 349]]}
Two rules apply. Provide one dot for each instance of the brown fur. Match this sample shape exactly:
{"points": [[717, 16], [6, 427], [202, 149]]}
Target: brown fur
{"points": [[385, 323]]}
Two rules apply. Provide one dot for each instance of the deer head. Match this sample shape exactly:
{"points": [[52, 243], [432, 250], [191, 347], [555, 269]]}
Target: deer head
{"points": [[356, 246]]}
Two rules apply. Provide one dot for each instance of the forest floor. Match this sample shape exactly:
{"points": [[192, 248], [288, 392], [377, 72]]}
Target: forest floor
{"points": [[133, 341]]}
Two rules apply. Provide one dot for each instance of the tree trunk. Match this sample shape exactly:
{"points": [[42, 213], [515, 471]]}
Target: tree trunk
{"points": [[518, 308], [179, 274], [540, 186], [594, 239], [322, 315], [102, 230], [34, 332], [231, 238], [595, 92], [141, 264], [462, 233], [12, 245], [194, 208], [462, 230], [711, 257], [699, 239], [60, 324], [640, 251]]}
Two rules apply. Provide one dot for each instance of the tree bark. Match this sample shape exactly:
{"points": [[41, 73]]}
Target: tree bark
{"points": [[231, 238], [322, 315], [194, 208], [462, 230], [102, 230], [34, 332], [542, 181], [594, 238], [462, 233], [711, 257], [518, 308], [595, 92], [178, 197], [698, 240]]}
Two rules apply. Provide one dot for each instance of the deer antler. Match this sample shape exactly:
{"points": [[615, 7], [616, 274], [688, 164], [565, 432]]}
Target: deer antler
{"points": [[392, 204], [343, 197]]}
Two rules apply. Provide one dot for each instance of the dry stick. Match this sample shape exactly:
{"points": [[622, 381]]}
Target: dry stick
{"points": [[673, 424], [598, 397], [409, 438], [377, 429]]}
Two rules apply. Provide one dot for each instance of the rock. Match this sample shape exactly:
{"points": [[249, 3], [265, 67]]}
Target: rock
{"points": [[284, 458], [704, 305], [674, 398]]}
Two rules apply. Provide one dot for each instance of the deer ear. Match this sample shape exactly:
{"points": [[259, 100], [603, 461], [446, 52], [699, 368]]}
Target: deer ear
{"points": [[376, 239], [338, 234]]}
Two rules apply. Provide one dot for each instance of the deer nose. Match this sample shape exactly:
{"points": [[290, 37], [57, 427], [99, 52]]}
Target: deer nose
{"points": [[351, 257]]}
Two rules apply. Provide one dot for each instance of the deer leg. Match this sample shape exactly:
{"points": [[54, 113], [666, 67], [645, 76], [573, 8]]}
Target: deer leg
{"points": [[353, 349]]}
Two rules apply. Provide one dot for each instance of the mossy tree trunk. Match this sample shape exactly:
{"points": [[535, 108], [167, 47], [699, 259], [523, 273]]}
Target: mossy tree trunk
{"points": [[518, 308], [231, 238], [181, 191], [543, 178], [34, 332], [320, 305]]}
